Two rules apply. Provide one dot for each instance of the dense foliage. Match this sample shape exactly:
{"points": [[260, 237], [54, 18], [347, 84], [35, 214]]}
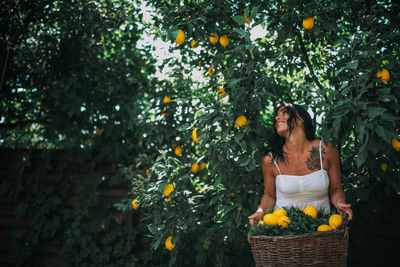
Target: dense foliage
{"points": [[75, 78]]}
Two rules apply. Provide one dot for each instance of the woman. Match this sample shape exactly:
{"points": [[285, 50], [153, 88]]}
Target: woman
{"points": [[300, 171]]}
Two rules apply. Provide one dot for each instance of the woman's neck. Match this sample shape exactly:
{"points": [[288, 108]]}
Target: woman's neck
{"points": [[296, 142]]}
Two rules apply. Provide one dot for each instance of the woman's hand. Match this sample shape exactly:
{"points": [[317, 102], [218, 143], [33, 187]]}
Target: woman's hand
{"points": [[255, 217], [345, 208]]}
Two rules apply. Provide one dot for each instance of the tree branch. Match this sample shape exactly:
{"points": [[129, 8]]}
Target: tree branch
{"points": [[305, 55]]}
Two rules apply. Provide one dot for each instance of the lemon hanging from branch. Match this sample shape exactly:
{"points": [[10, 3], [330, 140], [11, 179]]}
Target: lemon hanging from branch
{"points": [[168, 189], [194, 43], [168, 243], [384, 75], [241, 121], [396, 144], [214, 38], [179, 37], [195, 137], [308, 23], [195, 167], [224, 41]]}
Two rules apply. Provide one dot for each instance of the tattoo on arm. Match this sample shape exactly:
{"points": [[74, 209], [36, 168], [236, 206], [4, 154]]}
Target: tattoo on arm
{"points": [[313, 162]]}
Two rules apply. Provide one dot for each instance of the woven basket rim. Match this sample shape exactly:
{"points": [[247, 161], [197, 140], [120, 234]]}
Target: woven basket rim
{"points": [[313, 234]]}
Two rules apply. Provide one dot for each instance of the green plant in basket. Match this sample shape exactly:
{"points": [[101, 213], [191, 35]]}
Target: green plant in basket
{"points": [[294, 221]]}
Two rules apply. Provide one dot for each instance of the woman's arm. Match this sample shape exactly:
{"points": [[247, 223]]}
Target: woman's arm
{"points": [[268, 199], [336, 193]]}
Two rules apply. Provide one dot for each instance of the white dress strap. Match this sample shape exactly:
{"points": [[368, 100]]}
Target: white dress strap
{"points": [[272, 157], [320, 154]]}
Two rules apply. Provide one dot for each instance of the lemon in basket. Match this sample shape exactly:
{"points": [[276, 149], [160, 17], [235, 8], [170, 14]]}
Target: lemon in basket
{"points": [[311, 210], [280, 212], [335, 220], [284, 221], [323, 228], [270, 219]]}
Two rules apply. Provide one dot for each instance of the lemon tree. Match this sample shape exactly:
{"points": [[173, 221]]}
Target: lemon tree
{"points": [[228, 86]]}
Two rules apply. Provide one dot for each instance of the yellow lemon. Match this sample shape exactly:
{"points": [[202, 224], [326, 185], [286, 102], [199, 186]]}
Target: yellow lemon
{"points": [[241, 121], [323, 228], [312, 211], [180, 38], [194, 43], [203, 166], [246, 19], [214, 38], [195, 167], [335, 220], [148, 173], [384, 75], [168, 243], [284, 221], [239, 208], [164, 112], [224, 41], [178, 150], [384, 166], [280, 212], [195, 137], [221, 92], [166, 99], [135, 205], [210, 70], [308, 23], [168, 189], [168, 200], [396, 144], [270, 219]]}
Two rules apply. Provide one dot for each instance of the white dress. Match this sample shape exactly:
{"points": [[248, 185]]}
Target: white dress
{"points": [[301, 191]]}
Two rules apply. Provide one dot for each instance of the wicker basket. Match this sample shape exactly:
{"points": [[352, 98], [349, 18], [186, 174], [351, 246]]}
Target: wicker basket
{"points": [[312, 249]]}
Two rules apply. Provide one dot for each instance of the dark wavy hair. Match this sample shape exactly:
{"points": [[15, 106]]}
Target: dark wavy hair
{"points": [[296, 112]]}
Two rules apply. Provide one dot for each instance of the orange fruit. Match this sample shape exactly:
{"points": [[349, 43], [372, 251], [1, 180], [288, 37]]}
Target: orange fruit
{"points": [[178, 151], [308, 23], [210, 70], [168, 200], [195, 167], [284, 221], [270, 219], [168, 243], [166, 99], [223, 40], [335, 220], [312, 211], [214, 38], [180, 37], [168, 189], [396, 144], [203, 166], [194, 43], [323, 227], [280, 212], [241, 121], [195, 137], [135, 205], [384, 75], [221, 92]]}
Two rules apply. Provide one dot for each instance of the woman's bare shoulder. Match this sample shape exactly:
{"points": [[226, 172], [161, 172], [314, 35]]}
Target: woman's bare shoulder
{"points": [[267, 160]]}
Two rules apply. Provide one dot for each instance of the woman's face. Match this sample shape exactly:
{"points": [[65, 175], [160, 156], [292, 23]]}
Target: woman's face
{"points": [[281, 119]]}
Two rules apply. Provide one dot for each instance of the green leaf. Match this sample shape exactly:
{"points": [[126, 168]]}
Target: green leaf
{"points": [[239, 20]]}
